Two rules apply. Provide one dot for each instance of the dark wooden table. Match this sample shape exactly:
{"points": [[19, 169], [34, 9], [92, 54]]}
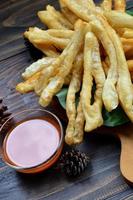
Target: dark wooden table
{"points": [[102, 180]]}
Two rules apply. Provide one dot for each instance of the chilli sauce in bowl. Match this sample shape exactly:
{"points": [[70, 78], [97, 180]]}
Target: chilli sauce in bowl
{"points": [[33, 140]]}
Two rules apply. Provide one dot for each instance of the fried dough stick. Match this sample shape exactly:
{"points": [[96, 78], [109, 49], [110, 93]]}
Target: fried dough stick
{"points": [[57, 82], [120, 5], [40, 37], [130, 65], [107, 4], [58, 15], [115, 18], [66, 34], [50, 21], [119, 19], [106, 67], [79, 124], [49, 51], [28, 85], [88, 3], [110, 96], [37, 66], [74, 87], [127, 33], [92, 69], [67, 13], [48, 73], [124, 85], [127, 41], [59, 39]]}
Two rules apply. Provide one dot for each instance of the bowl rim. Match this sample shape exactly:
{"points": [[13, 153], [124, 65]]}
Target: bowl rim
{"points": [[52, 156]]}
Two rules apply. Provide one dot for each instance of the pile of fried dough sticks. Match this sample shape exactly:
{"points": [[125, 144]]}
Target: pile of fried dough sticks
{"points": [[84, 45]]}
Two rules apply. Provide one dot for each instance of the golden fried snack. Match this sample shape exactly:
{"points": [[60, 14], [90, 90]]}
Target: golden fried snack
{"points": [[74, 87], [37, 66], [67, 13], [87, 3], [28, 85], [119, 19], [110, 96], [106, 5], [127, 49], [50, 21], [92, 69], [120, 5], [83, 12], [126, 41], [49, 51], [107, 64], [124, 85], [40, 37], [58, 15], [52, 70], [115, 18], [79, 124], [130, 65], [127, 33], [57, 81], [66, 34]]}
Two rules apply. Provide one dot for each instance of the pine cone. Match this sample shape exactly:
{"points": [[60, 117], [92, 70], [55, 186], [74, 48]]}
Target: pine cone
{"points": [[74, 162], [4, 115]]}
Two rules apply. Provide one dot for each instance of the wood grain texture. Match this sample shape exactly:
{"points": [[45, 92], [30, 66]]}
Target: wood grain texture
{"points": [[102, 180]]}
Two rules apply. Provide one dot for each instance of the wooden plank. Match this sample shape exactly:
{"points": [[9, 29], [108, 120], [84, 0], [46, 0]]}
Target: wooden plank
{"points": [[14, 21]]}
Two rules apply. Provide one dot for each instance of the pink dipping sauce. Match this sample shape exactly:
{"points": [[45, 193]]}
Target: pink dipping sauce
{"points": [[32, 143]]}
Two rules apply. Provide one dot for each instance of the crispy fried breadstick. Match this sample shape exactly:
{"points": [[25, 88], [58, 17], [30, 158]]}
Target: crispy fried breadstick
{"points": [[46, 74], [40, 37], [66, 34], [37, 66], [119, 19], [127, 41], [107, 4], [110, 96], [67, 13], [120, 5], [88, 3], [115, 18], [50, 21], [92, 69], [83, 12], [58, 15], [74, 87], [79, 124], [129, 63], [57, 82], [28, 85], [124, 86], [48, 51], [127, 33]]}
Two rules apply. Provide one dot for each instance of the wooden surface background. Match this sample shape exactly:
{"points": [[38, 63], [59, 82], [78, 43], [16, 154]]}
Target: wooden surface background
{"points": [[102, 180]]}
